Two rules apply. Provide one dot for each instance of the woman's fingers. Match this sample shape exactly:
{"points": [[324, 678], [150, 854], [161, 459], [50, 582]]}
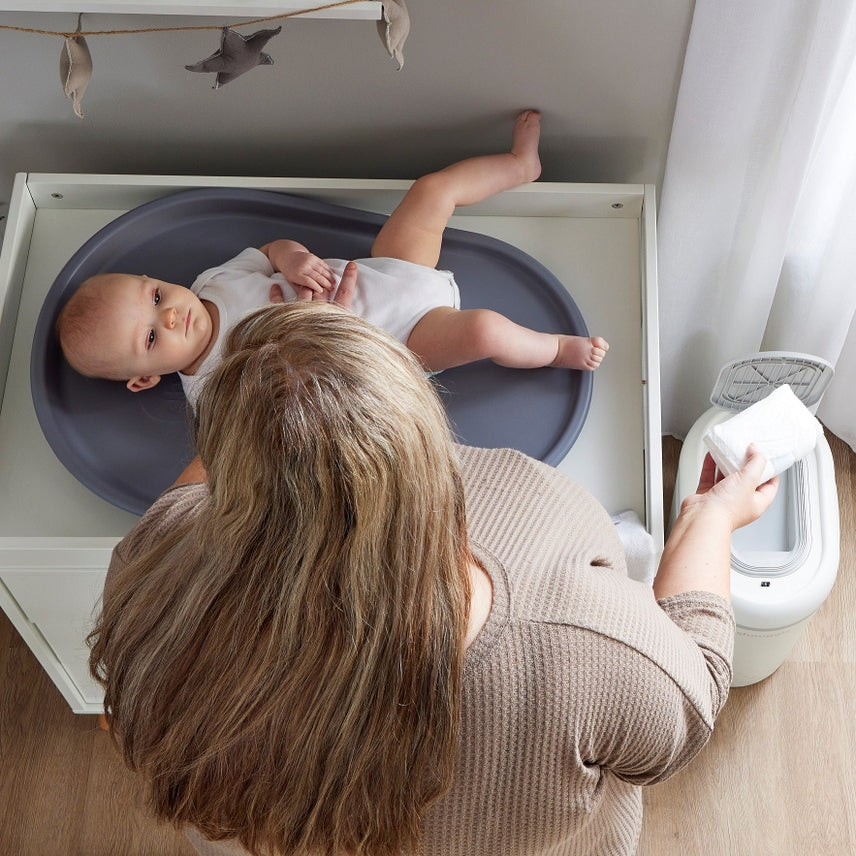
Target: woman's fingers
{"points": [[347, 286]]}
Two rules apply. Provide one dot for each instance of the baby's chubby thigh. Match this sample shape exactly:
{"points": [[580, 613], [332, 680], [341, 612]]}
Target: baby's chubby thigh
{"points": [[441, 338]]}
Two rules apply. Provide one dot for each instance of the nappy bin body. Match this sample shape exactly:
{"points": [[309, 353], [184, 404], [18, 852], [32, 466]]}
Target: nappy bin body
{"points": [[784, 564]]}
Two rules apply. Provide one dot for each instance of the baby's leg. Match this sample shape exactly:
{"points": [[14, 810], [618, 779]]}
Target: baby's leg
{"points": [[447, 337], [414, 231]]}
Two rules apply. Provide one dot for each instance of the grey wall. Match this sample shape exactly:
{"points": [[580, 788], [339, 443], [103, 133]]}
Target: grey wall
{"points": [[604, 72]]}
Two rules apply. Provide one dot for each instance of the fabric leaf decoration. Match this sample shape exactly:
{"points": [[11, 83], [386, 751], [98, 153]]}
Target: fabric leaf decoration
{"points": [[75, 70], [394, 27]]}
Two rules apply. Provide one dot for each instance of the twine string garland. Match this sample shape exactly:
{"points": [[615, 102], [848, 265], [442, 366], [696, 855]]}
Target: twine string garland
{"points": [[68, 34], [237, 53]]}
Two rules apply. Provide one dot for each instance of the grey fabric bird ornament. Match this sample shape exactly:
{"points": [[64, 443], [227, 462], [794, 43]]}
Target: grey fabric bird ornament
{"points": [[237, 54]]}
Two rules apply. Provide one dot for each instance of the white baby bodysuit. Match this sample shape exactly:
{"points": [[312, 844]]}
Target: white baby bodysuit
{"points": [[391, 293]]}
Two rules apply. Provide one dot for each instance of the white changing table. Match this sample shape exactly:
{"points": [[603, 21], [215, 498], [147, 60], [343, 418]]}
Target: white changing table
{"points": [[56, 536]]}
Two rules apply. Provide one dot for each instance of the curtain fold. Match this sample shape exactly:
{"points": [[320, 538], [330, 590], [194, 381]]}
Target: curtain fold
{"points": [[757, 235]]}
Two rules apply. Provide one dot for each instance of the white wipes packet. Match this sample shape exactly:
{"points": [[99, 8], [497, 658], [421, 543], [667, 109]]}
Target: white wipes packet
{"points": [[780, 425]]}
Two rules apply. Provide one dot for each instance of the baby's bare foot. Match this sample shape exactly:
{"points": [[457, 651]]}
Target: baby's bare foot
{"points": [[579, 352], [524, 143]]}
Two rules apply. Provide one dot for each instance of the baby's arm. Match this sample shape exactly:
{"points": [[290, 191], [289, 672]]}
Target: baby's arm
{"points": [[300, 268]]}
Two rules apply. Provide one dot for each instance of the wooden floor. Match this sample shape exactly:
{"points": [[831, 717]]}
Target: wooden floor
{"points": [[778, 778]]}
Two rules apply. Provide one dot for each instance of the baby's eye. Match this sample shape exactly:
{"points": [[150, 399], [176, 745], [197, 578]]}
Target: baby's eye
{"points": [[157, 297], [150, 339]]}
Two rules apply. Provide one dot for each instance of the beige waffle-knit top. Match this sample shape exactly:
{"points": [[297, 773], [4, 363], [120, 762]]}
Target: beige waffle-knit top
{"points": [[581, 686]]}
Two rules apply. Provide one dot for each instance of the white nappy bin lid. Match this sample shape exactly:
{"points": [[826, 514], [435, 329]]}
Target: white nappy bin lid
{"points": [[746, 381]]}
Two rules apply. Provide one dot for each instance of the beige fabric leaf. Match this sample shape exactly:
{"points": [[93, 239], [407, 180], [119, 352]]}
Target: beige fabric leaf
{"points": [[394, 27], [75, 70]]}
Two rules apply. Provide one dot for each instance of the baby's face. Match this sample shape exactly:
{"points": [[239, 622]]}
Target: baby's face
{"points": [[154, 328]]}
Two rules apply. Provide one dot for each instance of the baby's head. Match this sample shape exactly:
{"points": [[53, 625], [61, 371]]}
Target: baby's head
{"points": [[132, 328], [83, 324]]}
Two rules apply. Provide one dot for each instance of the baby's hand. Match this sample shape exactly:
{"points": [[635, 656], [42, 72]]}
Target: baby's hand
{"points": [[303, 269], [344, 295], [276, 295]]}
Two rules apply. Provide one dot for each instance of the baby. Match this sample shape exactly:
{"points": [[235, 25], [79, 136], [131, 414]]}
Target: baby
{"points": [[136, 329]]}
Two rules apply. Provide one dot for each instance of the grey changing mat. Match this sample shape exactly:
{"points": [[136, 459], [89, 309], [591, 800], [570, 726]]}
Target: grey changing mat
{"points": [[129, 447]]}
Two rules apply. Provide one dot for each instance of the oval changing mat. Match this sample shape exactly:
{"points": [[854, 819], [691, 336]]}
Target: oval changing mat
{"points": [[128, 447]]}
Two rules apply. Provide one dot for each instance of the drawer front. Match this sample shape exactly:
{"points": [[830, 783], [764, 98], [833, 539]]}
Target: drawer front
{"points": [[61, 605]]}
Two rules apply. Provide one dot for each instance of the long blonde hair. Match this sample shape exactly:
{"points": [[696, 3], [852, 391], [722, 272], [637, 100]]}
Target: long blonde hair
{"points": [[286, 667]]}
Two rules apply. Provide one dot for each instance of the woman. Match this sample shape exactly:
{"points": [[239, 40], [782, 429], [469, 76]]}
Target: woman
{"points": [[356, 637]]}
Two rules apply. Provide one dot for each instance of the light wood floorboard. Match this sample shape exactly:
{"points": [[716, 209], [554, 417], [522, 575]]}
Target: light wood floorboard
{"points": [[63, 788], [776, 779]]}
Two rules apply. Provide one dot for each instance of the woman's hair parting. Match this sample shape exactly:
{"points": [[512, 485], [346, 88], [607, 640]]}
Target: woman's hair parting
{"points": [[285, 668]]}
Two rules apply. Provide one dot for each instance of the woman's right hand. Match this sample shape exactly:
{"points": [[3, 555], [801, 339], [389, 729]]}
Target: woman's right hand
{"points": [[697, 554], [739, 496]]}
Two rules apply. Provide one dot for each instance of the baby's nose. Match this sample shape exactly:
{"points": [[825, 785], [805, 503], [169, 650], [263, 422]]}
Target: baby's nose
{"points": [[169, 317]]}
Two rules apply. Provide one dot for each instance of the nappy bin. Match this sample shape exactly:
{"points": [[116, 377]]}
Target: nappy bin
{"points": [[783, 565]]}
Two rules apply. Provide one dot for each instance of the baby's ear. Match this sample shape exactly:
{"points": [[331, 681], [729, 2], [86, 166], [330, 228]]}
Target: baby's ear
{"points": [[138, 384]]}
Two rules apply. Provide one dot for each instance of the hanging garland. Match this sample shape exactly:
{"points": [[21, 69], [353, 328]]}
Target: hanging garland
{"points": [[236, 55]]}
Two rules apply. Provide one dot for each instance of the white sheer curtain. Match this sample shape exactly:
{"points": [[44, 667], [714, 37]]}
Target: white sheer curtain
{"points": [[757, 223]]}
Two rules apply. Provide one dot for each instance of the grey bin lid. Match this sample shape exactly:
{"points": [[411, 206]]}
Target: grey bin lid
{"points": [[752, 378]]}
